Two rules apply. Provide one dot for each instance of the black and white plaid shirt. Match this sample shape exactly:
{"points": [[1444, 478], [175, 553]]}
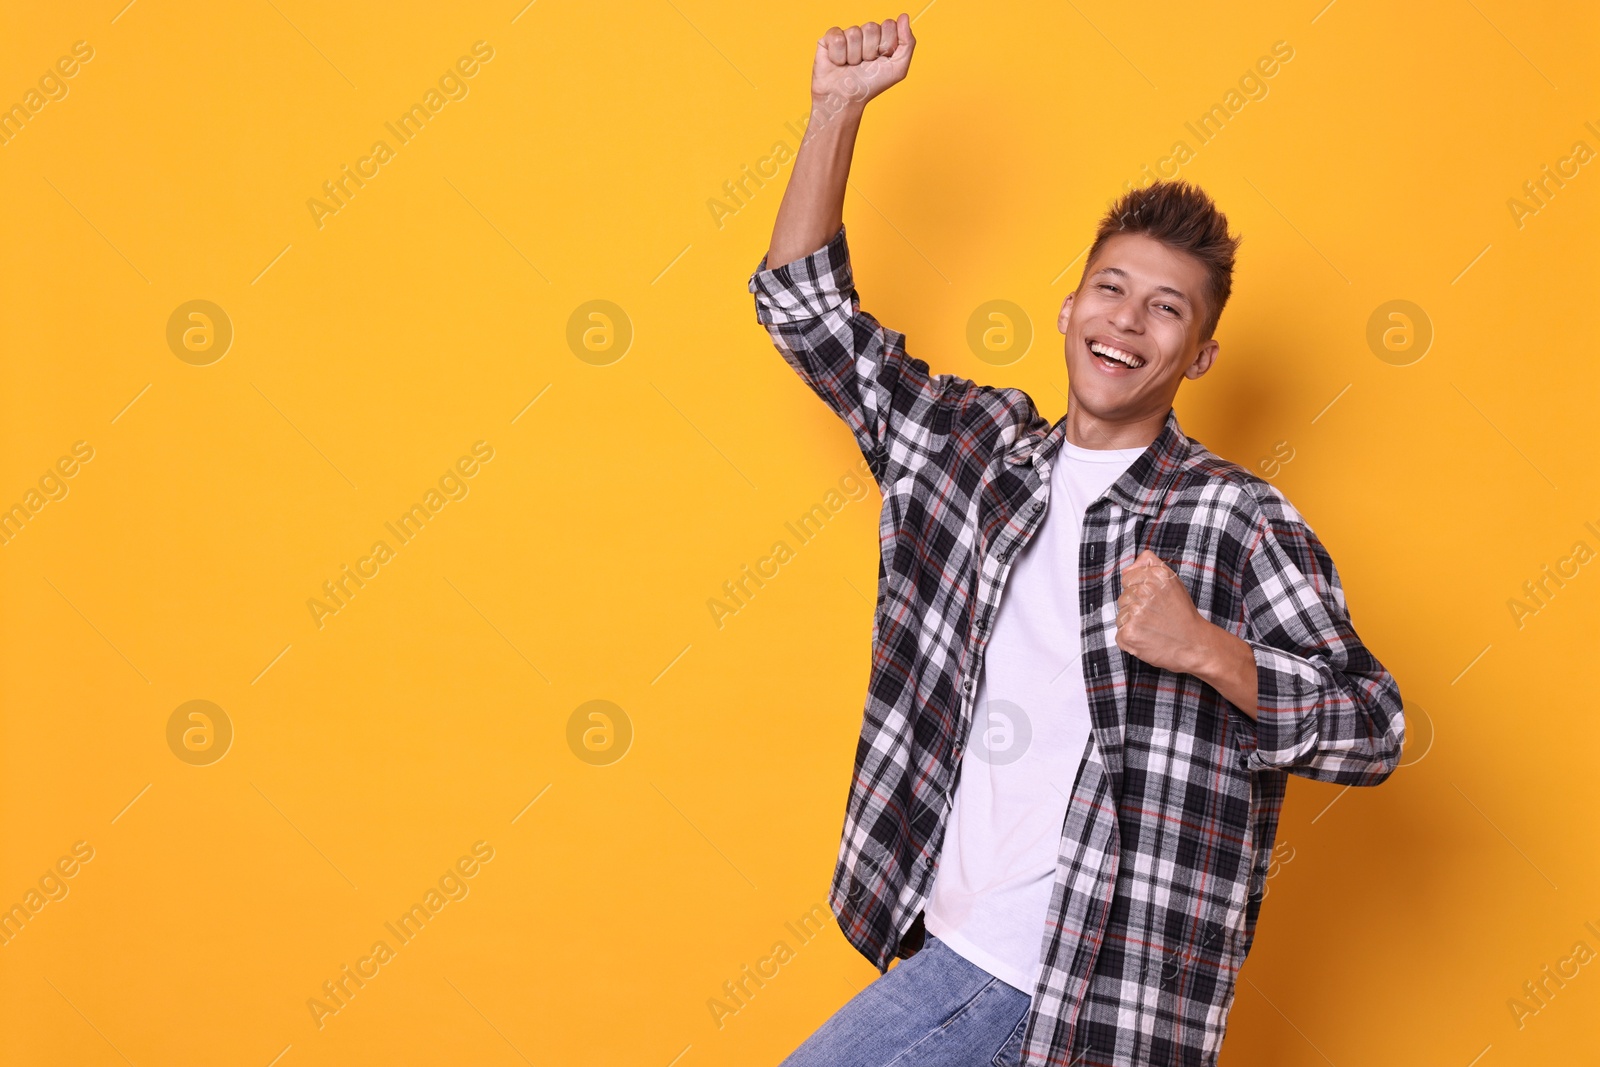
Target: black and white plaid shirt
{"points": [[1171, 820]]}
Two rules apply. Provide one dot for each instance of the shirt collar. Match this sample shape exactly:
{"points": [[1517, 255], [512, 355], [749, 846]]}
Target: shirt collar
{"points": [[1143, 486]]}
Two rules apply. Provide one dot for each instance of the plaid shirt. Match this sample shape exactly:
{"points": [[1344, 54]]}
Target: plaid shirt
{"points": [[1171, 820]]}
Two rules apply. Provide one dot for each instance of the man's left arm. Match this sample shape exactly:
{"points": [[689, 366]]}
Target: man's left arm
{"points": [[1322, 704]]}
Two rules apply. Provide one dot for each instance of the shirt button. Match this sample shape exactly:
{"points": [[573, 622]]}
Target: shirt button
{"points": [[1038, 506], [1244, 762]]}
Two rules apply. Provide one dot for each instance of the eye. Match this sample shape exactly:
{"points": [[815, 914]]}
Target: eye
{"points": [[1108, 285], [1169, 307]]}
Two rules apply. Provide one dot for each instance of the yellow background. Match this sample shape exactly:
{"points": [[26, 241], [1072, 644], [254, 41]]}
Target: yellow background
{"points": [[369, 354]]}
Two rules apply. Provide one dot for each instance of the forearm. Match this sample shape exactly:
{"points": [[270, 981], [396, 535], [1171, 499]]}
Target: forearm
{"points": [[1227, 664], [813, 203], [1321, 704]]}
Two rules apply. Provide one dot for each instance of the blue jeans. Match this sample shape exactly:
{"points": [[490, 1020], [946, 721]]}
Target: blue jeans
{"points": [[935, 1009]]}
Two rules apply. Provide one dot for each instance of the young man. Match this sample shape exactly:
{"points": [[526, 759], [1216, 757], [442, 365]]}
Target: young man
{"points": [[1066, 797]]}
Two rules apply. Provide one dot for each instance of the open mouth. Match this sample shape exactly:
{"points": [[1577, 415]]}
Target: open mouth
{"points": [[1113, 358]]}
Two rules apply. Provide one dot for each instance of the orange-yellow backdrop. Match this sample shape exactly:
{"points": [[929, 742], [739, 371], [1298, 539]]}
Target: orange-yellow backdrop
{"points": [[643, 457]]}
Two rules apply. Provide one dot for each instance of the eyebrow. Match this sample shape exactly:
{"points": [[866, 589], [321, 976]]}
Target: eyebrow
{"points": [[1178, 293]]}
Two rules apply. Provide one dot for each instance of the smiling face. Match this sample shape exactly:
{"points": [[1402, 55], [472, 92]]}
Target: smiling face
{"points": [[1133, 333]]}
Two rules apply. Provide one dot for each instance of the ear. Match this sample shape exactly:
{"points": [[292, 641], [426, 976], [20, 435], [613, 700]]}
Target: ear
{"points": [[1066, 312], [1203, 359]]}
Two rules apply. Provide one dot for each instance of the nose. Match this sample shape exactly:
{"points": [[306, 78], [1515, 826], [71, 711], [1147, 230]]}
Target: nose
{"points": [[1128, 315]]}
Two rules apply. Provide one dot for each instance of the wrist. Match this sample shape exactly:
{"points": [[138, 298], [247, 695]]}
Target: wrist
{"points": [[833, 110], [1213, 649]]}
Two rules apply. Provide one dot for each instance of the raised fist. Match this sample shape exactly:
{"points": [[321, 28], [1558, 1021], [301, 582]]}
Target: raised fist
{"points": [[859, 62]]}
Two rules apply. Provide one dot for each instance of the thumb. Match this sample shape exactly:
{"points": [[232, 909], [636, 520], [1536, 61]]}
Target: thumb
{"points": [[1139, 569], [906, 43]]}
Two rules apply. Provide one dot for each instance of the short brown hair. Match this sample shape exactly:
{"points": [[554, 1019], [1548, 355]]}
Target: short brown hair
{"points": [[1182, 217]]}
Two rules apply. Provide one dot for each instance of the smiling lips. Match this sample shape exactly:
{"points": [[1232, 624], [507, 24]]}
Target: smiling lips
{"points": [[1112, 357]]}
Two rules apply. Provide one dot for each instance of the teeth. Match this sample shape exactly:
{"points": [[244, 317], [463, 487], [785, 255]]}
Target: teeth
{"points": [[1127, 359]]}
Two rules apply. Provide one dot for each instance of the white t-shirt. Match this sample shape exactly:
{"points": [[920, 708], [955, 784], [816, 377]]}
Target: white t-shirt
{"points": [[1030, 731]]}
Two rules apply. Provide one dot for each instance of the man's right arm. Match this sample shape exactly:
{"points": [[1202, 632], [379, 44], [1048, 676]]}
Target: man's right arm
{"points": [[804, 289], [851, 67]]}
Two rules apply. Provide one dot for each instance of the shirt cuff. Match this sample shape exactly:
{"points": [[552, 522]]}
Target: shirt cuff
{"points": [[1288, 691], [805, 288]]}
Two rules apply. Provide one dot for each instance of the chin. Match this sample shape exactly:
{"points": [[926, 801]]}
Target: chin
{"points": [[1096, 392], [1117, 410]]}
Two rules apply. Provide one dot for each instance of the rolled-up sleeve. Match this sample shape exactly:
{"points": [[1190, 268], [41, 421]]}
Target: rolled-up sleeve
{"points": [[895, 409], [1327, 709]]}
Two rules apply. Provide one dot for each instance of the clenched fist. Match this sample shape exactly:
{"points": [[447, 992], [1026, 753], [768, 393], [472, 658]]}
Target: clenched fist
{"points": [[1156, 620], [1158, 623], [859, 62]]}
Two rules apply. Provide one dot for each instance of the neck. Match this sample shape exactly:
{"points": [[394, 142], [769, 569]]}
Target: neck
{"points": [[1090, 431]]}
